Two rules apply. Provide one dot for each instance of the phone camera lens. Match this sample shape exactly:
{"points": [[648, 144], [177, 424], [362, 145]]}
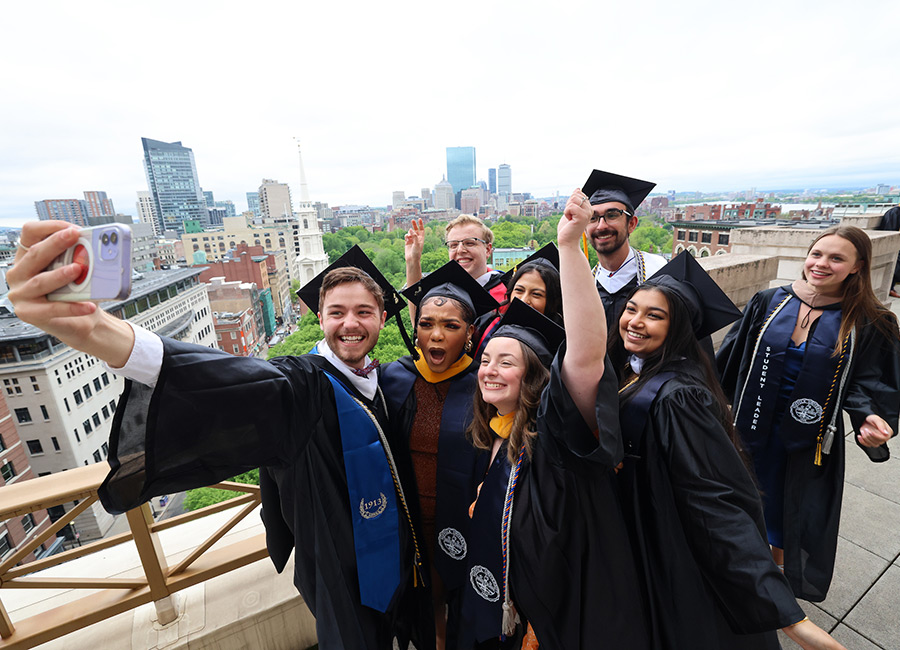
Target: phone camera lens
{"points": [[105, 239], [113, 237]]}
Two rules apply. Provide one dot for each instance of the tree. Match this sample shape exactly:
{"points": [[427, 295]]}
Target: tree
{"points": [[206, 496]]}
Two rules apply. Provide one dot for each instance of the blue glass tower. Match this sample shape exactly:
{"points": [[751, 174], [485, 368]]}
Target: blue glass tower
{"points": [[174, 188], [460, 169], [492, 180]]}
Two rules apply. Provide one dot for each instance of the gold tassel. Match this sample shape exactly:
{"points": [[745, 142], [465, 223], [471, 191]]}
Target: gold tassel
{"points": [[818, 459], [584, 245]]}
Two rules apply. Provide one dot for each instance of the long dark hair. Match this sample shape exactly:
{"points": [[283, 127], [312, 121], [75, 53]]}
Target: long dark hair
{"points": [[552, 289], [534, 379], [859, 305], [679, 346]]}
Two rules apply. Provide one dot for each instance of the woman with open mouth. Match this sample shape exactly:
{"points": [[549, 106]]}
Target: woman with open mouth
{"points": [[430, 405], [802, 354]]}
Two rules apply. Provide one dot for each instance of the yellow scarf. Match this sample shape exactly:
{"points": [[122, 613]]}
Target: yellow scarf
{"points": [[435, 377], [502, 424]]}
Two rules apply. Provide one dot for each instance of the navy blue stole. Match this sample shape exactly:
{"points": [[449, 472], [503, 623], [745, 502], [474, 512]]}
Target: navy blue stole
{"points": [[373, 501], [482, 608], [459, 464], [803, 419]]}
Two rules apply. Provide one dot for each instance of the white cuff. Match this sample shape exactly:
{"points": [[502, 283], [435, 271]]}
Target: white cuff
{"points": [[146, 357]]}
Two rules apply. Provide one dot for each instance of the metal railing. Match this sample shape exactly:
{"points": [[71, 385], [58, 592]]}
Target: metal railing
{"points": [[158, 582]]}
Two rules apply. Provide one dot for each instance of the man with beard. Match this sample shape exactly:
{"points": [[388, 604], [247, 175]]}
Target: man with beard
{"points": [[621, 268], [191, 416]]}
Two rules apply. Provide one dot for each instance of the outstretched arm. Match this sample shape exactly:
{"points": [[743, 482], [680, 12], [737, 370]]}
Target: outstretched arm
{"points": [[81, 325], [583, 313]]}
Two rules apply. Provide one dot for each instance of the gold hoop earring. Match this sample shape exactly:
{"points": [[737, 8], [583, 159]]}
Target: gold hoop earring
{"points": [[469, 345]]}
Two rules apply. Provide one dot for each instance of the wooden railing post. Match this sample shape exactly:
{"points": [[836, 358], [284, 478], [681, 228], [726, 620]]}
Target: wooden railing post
{"points": [[154, 561], [6, 625]]}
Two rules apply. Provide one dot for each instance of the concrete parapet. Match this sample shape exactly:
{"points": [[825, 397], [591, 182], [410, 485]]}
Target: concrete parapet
{"points": [[789, 245], [864, 221]]}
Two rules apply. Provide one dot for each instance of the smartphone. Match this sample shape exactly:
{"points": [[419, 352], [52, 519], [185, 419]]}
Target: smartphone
{"points": [[104, 253]]}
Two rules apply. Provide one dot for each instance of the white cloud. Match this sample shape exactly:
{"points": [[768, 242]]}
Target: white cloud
{"points": [[694, 95]]}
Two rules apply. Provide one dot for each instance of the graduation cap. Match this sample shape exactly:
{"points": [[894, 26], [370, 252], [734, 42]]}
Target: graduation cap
{"points": [[710, 308], [603, 187], [532, 328], [548, 256], [355, 257], [452, 281]]}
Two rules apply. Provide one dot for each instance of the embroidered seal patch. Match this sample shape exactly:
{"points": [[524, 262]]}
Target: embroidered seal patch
{"points": [[806, 411], [374, 507], [484, 584], [452, 543]]}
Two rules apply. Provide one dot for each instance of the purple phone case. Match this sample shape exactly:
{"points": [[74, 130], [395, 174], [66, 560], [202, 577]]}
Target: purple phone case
{"points": [[110, 275]]}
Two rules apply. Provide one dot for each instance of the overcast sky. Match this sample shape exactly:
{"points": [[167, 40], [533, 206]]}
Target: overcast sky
{"points": [[693, 95]]}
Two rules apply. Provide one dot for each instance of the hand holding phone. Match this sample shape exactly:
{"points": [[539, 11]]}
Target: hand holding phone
{"points": [[104, 252]]}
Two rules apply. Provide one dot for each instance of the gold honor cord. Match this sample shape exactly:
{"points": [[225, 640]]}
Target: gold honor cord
{"points": [[826, 436]]}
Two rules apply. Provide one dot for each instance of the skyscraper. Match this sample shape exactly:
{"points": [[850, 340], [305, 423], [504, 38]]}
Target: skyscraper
{"points": [[460, 169], [99, 205], [444, 196], [275, 200], [504, 180], [71, 210], [492, 180], [146, 210], [253, 203], [210, 199], [397, 198], [174, 187]]}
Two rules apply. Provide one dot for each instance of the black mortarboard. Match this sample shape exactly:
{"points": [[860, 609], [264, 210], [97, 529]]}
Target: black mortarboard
{"points": [[452, 281], [603, 187], [532, 328], [710, 308], [393, 302], [548, 255]]}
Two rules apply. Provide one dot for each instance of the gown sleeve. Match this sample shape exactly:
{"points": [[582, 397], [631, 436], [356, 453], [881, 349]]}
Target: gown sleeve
{"points": [[721, 515], [874, 386], [210, 416], [730, 359], [563, 429]]}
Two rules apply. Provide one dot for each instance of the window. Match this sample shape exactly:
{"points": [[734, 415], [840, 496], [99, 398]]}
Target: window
{"points": [[706, 237], [44, 412], [77, 396], [28, 522], [97, 458], [105, 379], [2, 444], [680, 234], [12, 386], [96, 418], [55, 443], [7, 470], [5, 546], [105, 412], [112, 406], [66, 402], [87, 426], [87, 391], [692, 236], [35, 385], [723, 239], [23, 415], [34, 447], [77, 437], [233, 336], [105, 448], [97, 386], [236, 349]]}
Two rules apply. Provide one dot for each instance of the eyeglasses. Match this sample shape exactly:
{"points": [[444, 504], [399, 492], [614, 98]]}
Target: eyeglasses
{"points": [[468, 243], [613, 214]]}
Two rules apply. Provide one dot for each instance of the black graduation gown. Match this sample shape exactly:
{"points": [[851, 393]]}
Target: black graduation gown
{"points": [[614, 303], [571, 572], [211, 416], [460, 467], [813, 493], [696, 522], [495, 286], [891, 221]]}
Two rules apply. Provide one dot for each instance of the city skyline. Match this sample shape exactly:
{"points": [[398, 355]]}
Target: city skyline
{"points": [[698, 96]]}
